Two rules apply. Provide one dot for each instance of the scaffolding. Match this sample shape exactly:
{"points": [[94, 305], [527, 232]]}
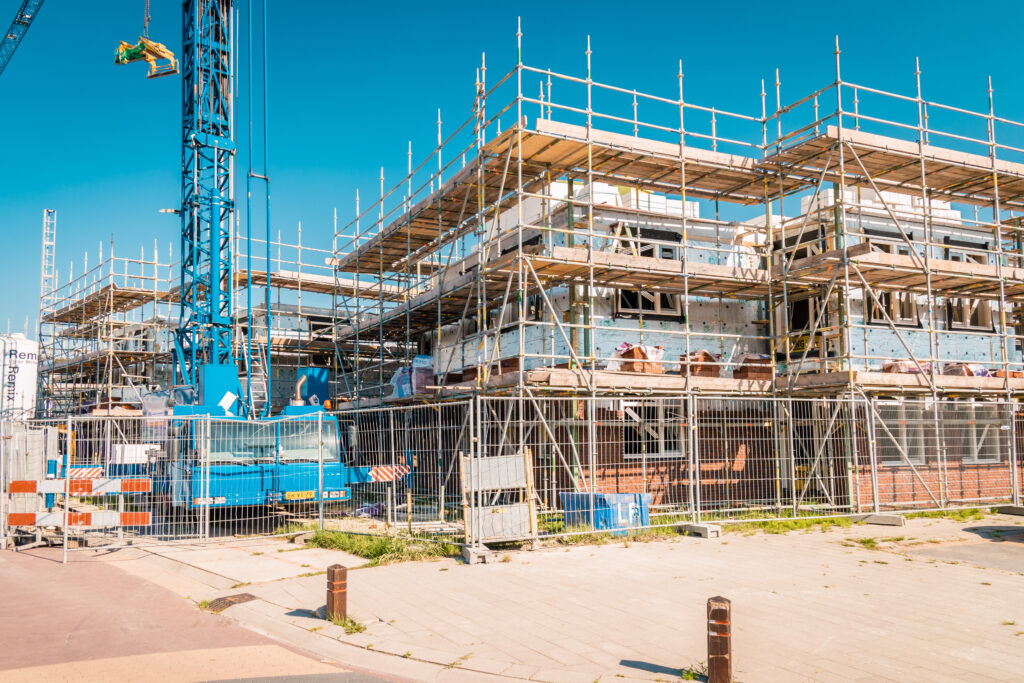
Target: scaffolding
{"points": [[519, 257], [107, 335], [104, 338]]}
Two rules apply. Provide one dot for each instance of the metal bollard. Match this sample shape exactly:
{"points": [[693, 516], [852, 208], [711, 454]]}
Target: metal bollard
{"points": [[337, 592], [719, 640]]}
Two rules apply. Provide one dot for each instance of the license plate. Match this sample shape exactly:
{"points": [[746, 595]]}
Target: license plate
{"points": [[299, 495]]}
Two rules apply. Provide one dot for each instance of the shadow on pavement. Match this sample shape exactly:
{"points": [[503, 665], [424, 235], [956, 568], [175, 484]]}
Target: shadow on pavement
{"points": [[999, 534], [649, 667]]}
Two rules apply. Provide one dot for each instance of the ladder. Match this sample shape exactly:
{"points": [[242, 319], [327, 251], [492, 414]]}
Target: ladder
{"points": [[256, 376]]}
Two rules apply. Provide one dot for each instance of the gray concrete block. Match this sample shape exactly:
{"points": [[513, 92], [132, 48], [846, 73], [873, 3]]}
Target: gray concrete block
{"points": [[478, 554], [702, 530], [882, 520], [1011, 510]]}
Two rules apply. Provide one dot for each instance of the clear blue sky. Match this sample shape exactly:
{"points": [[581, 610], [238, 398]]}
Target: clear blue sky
{"points": [[351, 83]]}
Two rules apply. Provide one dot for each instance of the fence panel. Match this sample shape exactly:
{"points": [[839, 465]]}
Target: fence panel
{"points": [[769, 458], [111, 481], [495, 469], [935, 454], [413, 485]]}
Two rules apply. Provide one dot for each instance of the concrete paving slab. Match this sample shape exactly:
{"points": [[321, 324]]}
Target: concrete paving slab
{"points": [[855, 603], [257, 562]]}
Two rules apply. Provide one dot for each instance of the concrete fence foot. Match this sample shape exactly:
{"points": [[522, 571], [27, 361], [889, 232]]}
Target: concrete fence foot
{"points": [[882, 520], [702, 530]]}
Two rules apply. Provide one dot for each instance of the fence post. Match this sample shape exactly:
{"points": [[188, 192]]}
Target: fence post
{"points": [[719, 640], [3, 484], [337, 593], [791, 447], [872, 454], [691, 453], [206, 476], [67, 466], [696, 464], [591, 453], [1014, 465], [320, 466]]}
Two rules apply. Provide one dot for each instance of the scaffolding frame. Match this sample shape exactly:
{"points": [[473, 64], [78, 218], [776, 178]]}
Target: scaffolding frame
{"points": [[106, 336], [451, 237]]}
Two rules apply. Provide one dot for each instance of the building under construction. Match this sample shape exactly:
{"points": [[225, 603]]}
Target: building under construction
{"points": [[814, 308], [107, 334], [862, 314]]}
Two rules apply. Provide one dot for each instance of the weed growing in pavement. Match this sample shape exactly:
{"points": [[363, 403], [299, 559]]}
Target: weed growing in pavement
{"points": [[406, 654], [460, 660], [1009, 623], [869, 542], [380, 550], [348, 623], [204, 604], [783, 526], [294, 528], [957, 515], [697, 672], [239, 585]]}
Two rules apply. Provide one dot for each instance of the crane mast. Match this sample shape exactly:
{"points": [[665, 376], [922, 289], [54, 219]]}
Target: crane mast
{"points": [[203, 343]]}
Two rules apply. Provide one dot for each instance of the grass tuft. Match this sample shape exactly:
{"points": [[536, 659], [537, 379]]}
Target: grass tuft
{"points": [[784, 526], [348, 623], [957, 515], [697, 672], [381, 550]]}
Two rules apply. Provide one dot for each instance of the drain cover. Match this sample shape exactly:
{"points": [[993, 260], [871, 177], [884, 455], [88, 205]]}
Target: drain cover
{"points": [[221, 604]]}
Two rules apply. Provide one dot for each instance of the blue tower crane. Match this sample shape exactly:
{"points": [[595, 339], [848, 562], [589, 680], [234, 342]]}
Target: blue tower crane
{"points": [[297, 457], [203, 344], [19, 27]]}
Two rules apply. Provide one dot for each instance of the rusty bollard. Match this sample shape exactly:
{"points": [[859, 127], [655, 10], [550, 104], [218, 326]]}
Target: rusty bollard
{"points": [[337, 592], [719, 640]]}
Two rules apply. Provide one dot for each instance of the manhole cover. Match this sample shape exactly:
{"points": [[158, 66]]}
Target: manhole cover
{"points": [[221, 604]]}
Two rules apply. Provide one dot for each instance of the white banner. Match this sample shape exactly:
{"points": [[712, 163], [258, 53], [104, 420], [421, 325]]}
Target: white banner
{"points": [[18, 368]]}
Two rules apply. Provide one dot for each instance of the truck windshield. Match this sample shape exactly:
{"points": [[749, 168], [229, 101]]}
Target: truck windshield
{"points": [[299, 441]]}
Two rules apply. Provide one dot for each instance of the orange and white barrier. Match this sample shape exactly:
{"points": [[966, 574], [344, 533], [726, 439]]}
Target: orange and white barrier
{"points": [[95, 519], [389, 472], [82, 487], [85, 472]]}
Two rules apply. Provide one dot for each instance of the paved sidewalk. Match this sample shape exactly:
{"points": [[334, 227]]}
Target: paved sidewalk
{"points": [[90, 621], [807, 607]]}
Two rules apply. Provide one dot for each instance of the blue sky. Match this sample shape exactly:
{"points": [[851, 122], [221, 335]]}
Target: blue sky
{"points": [[352, 83]]}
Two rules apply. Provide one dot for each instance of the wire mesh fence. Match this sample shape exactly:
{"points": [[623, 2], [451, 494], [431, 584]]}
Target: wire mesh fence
{"points": [[558, 466], [111, 481], [493, 469]]}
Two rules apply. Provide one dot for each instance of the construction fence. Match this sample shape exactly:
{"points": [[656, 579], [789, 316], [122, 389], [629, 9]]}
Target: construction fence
{"points": [[496, 469]]}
